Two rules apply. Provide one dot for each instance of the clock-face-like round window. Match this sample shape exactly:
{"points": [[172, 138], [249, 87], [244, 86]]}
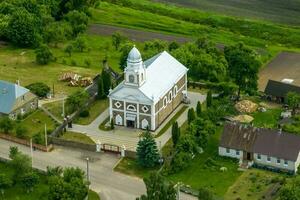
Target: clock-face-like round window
{"points": [[131, 79]]}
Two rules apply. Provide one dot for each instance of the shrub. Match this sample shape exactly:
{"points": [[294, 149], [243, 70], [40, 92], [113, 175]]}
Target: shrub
{"points": [[43, 55], [39, 89], [84, 113], [21, 131]]}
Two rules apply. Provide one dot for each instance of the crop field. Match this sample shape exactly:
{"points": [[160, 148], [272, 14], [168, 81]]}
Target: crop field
{"points": [[273, 10]]}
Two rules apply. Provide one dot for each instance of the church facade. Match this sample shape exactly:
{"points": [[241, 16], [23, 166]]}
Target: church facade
{"points": [[150, 92]]}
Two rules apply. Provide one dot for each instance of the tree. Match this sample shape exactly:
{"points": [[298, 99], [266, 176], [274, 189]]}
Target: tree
{"points": [[202, 129], [112, 124], [57, 32], [69, 49], [117, 39], [54, 171], [158, 188], [147, 152], [173, 46], [77, 100], [39, 89], [29, 180], [125, 49], [198, 109], [5, 183], [78, 20], [100, 94], [106, 77], [175, 133], [191, 115], [243, 67], [293, 100], [21, 131], [21, 164], [22, 29], [209, 99], [6, 124], [180, 161], [13, 151], [290, 191], [205, 194], [80, 44], [43, 55]]}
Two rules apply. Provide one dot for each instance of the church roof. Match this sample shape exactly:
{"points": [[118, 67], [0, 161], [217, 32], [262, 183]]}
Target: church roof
{"points": [[134, 55], [162, 72]]}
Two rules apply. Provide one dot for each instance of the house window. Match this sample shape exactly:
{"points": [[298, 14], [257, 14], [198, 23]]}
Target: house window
{"points": [[278, 161], [237, 152], [258, 157], [165, 101], [118, 104], [131, 108], [145, 109], [268, 159], [32, 105], [131, 79], [175, 90], [170, 96], [227, 150], [286, 163]]}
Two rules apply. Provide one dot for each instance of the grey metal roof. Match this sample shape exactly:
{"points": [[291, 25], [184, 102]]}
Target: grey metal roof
{"points": [[9, 93], [280, 89]]}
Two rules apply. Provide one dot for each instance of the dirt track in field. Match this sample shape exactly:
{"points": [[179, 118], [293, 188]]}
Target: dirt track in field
{"points": [[285, 65], [133, 34]]}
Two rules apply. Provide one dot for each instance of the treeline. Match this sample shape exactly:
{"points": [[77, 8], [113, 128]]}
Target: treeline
{"points": [[276, 34], [28, 23]]}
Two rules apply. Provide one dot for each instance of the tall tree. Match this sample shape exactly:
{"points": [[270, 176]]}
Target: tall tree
{"points": [[77, 100], [6, 124], [106, 77], [209, 99], [198, 109], [243, 67], [191, 115], [117, 39], [147, 151], [29, 180], [125, 49], [175, 133], [293, 100], [43, 55], [100, 94], [158, 188], [5, 183]]}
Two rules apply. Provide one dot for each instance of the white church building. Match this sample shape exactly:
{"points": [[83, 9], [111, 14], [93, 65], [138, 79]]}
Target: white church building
{"points": [[150, 92]]}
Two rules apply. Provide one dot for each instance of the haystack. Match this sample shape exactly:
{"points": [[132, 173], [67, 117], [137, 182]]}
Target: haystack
{"points": [[243, 118]]}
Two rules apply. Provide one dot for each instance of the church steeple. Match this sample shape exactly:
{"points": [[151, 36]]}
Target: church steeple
{"points": [[135, 71]]}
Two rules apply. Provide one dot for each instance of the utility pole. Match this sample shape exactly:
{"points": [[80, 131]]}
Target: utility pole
{"points": [[31, 152], [63, 107], [46, 138], [88, 175]]}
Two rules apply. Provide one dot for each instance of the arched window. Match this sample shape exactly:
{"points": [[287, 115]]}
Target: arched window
{"points": [[131, 108], [170, 96], [175, 90], [165, 101], [131, 78]]}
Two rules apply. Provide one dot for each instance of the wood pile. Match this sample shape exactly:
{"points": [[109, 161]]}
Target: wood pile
{"points": [[75, 80], [246, 106]]}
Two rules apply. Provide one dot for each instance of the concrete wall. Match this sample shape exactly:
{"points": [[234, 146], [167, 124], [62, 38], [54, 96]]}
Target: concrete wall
{"points": [[273, 162], [232, 153]]}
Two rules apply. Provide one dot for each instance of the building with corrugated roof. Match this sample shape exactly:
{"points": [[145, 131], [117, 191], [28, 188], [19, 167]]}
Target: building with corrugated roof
{"points": [[150, 92]]}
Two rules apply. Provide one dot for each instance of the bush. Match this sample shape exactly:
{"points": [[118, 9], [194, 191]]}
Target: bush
{"points": [[43, 55], [39, 89], [38, 139], [180, 161], [21, 131], [84, 113]]}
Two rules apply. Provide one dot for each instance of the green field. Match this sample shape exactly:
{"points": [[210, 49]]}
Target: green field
{"points": [[268, 119], [274, 10]]}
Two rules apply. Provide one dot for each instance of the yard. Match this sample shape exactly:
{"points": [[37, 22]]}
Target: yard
{"points": [[77, 137], [97, 107], [204, 170], [268, 119], [35, 123], [55, 108], [40, 192]]}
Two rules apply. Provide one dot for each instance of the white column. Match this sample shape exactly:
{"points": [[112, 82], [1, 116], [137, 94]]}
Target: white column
{"points": [[110, 109], [138, 115], [124, 118]]}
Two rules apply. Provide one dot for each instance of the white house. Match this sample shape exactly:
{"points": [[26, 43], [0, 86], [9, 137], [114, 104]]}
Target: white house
{"points": [[150, 92]]}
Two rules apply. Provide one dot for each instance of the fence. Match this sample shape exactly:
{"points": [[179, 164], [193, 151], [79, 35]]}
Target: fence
{"points": [[72, 144], [26, 143]]}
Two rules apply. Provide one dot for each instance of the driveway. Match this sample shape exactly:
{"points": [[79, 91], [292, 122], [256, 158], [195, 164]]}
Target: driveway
{"points": [[127, 137]]}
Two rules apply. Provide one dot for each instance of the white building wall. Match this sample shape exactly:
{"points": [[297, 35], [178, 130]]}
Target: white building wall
{"points": [[297, 162], [273, 162], [232, 153]]}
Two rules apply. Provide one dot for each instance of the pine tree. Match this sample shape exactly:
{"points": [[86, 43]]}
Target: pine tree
{"points": [[100, 94], [147, 151], [198, 109], [106, 78], [191, 115], [175, 133], [209, 99], [112, 124]]}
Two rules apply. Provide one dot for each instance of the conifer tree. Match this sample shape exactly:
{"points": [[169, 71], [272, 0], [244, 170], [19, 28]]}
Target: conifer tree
{"points": [[147, 151], [175, 133], [209, 99], [198, 109], [191, 115], [100, 94], [106, 78]]}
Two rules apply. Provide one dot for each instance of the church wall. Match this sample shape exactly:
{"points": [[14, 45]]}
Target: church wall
{"points": [[142, 111], [115, 113], [148, 118], [115, 107]]}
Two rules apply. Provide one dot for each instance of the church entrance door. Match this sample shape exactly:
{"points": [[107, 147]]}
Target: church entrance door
{"points": [[130, 124]]}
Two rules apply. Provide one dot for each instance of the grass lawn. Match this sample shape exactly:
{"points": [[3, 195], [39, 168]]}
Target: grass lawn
{"points": [[93, 195], [95, 110], [103, 127], [55, 108], [171, 121], [130, 167], [204, 170], [36, 121], [77, 137], [252, 184], [268, 119]]}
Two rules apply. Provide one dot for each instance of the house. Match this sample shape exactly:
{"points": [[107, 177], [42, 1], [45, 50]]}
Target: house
{"points": [[278, 90], [150, 92], [15, 100], [262, 147]]}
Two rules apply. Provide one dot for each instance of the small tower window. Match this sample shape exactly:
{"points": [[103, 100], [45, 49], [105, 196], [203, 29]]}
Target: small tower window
{"points": [[131, 79]]}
